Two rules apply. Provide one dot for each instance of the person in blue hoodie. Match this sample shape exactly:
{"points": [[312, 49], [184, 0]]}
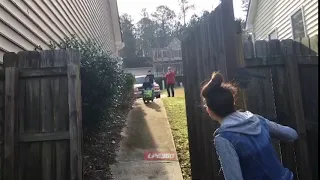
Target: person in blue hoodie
{"points": [[243, 141]]}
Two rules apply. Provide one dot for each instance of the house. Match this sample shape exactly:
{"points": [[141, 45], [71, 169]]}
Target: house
{"points": [[26, 24], [169, 56], [282, 19], [137, 66]]}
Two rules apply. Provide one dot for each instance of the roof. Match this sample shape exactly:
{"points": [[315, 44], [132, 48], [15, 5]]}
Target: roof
{"points": [[253, 6], [137, 62], [166, 44]]}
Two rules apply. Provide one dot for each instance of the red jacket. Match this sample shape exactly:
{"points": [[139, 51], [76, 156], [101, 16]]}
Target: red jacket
{"points": [[171, 77]]}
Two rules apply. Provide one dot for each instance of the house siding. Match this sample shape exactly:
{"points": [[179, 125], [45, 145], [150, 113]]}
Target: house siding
{"points": [[25, 24], [276, 15]]}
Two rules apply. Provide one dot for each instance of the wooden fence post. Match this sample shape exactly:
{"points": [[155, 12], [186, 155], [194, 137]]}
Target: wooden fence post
{"points": [[11, 87], [75, 114], [229, 39], [291, 64]]}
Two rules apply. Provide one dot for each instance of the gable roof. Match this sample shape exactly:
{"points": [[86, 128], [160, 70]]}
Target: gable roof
{"points": [[169, 43], [253, 6], [137, 62]]}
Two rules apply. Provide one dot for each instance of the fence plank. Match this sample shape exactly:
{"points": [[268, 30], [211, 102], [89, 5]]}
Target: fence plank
{"points": [[2, 124], [229, 38], [284, 114], [190, 120], [314, 43], [46, 109], [304, 171], [59, 92], [11, 87], [74, 100]]}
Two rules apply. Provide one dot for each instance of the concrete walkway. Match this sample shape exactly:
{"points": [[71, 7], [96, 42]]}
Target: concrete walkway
{"points": [[147, 130]]}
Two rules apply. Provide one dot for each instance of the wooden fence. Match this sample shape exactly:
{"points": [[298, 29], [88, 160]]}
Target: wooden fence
{"points": [[211, 46], [43, 128], [287, 93], [1, 121]]}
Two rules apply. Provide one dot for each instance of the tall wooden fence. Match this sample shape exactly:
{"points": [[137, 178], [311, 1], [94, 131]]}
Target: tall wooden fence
{"points": [[211, 46], [42, 134], [1, 121], [287, 93]]}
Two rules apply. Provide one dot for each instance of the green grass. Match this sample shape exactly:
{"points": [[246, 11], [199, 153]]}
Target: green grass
{"points": [[176, 112]]}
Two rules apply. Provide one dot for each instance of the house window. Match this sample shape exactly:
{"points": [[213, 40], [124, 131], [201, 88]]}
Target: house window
{"points": [[165, 54], [159, 54], [273, 35], [298, 25]]}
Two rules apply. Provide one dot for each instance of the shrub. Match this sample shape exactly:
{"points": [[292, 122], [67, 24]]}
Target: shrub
{"points": [[104, 85]]}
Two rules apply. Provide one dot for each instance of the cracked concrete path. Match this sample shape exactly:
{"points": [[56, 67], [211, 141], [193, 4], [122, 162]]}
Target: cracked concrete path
{"points": [[147, 130]]}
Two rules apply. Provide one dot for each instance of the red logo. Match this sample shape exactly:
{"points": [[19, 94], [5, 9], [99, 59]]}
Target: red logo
{"points": [[154, 156]]}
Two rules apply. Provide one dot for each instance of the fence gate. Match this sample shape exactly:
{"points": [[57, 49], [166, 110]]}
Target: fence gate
{"points": [[43, 137], [288, 95]]}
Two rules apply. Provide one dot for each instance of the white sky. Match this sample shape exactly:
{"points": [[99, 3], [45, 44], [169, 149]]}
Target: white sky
{"points": [[133, 7]]}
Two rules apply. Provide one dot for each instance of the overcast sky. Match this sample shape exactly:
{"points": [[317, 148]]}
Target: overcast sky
{"points": [[133, 7]]}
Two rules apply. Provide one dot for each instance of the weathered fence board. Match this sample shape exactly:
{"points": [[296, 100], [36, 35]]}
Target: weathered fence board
{"points": [[43, 136], [2, 108]]}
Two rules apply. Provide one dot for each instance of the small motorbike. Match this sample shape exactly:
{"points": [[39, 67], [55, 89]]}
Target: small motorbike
{"points": [[148, 95]]}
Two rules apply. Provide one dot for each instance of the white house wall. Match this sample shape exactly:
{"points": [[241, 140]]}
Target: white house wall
{"points": [[25, 24], [276, 15]]}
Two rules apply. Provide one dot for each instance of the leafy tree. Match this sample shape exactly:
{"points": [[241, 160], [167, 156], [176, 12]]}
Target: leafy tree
{"points": [[145, 34], [128, 35], [184, 8], [164, 19]]}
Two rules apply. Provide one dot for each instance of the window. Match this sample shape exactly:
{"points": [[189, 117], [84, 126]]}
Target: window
{"points": [[159, 55], [165, 54], [298, 25], [273, 35]]}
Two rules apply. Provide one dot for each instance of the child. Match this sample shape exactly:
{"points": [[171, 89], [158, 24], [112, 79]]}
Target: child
{"points": [[243, 140], [147, 84]]}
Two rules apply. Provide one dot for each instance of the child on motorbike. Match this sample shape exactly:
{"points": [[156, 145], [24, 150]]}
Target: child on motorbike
{"points": [[147, 89], [147, 84]]}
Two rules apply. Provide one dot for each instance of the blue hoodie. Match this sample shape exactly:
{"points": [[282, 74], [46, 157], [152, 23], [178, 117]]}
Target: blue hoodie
{"points": [[243, 144]]}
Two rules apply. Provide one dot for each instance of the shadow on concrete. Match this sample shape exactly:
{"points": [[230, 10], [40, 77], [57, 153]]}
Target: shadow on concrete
{"points": [[138, 134], [154, 106], [137, 140]]}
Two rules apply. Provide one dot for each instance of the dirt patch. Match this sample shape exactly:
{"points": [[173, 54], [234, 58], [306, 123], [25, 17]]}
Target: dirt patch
{"points": [[100, 147]]}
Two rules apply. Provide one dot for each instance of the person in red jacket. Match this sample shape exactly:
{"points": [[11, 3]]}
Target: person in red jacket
{"points": [[171, 80]]}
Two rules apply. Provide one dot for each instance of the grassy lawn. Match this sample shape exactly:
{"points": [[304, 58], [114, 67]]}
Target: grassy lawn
{"points": [[176, 112]]}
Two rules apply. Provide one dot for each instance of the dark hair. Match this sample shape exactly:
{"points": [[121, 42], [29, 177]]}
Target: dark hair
{"points": [[219, 96], [149, 71]]}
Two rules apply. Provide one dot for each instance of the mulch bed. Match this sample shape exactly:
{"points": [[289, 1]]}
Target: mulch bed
{"points": [[100, 147]]}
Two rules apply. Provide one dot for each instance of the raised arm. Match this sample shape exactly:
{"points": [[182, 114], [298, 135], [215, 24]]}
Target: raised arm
{"points": [[280, 132], [229, 159]]}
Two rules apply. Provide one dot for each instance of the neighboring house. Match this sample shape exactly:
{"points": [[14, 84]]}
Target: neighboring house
{"points": [[26, 24], [137, 66], [282, 19], [139, 71], [169, 56]]}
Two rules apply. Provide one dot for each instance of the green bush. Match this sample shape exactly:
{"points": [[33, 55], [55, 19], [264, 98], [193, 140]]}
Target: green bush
{"points": [[104, 85]]}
